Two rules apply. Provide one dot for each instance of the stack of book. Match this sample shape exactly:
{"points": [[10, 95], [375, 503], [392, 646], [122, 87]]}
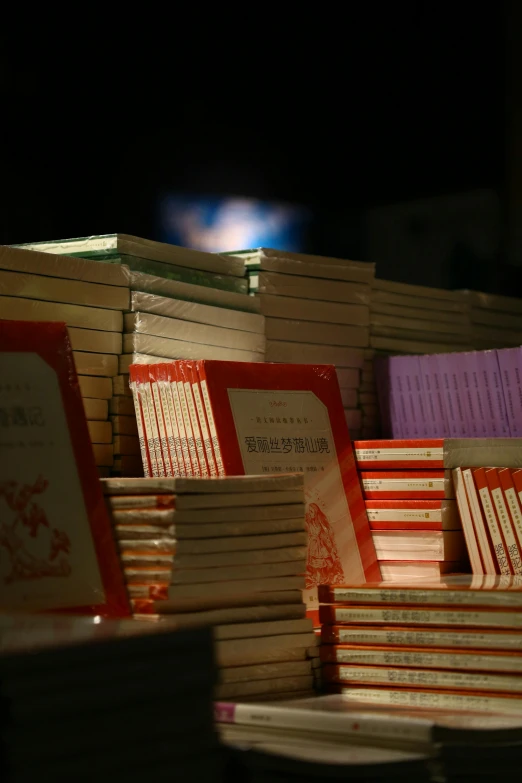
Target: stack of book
{"points": [[411, 507], [471, 394], [227, 552], [453, 644], [74, 693], [496, 321], [90, 299], [416, 319], [317, 312]]}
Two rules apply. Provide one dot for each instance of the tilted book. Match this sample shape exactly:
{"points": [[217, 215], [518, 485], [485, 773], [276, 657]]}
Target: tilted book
{"points": [[270, 418], [56, 544]]}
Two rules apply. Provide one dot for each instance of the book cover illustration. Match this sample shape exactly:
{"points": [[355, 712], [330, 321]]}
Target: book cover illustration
{"points": [[56, 545]]}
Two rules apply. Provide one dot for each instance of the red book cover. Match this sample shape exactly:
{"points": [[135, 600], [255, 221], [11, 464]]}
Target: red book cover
{"points": [[289, 418], [512, 500], [517, 481], [199, 445], [407, 485], [504, 519], [153, 374], [399, 454], [140, 421], [413, 514], [56, 545], [495, 531], [192, 373]]}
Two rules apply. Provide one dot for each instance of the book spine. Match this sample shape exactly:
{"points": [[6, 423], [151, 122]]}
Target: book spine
{"points": [[512, 501], [503, 517], [481, 484], [191, 443], [167, 408], [416, 409], [414, 637], [433, 425], [156, 439], [420, 615], [145, 402], [455, 372], [180, 419], [488, 559], [194, 421], [203, 422], [510, 365], [478, 393], [145, 458], [162, 429], [400, 383], [467, 523], [438, 392], [464, 369], [488, 365], [169, 396], [416, 699], [210, 416], [498, 397], [449, 396]]}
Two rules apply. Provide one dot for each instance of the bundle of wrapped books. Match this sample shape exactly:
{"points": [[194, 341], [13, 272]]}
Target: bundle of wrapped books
{"points": [[458, 395], [452, 644], [227, 552], [411, 507], [128, 299], [317, 311], [496, 321], [87, 699]]}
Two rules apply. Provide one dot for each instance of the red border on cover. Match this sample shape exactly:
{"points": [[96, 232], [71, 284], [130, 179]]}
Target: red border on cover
{"points": [[322, 381], [50, 341]]}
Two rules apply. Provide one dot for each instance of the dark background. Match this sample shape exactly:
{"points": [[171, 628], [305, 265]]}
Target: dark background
{"points": [[347, 109]]}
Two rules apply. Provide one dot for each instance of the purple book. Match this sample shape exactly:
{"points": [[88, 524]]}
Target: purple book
{"points": [[438, 392], [510, 363], [445, 370], [432, 421], [478, 393], [468, 396], [399, 395], [495, 414], [416, 395], [454, 363]]}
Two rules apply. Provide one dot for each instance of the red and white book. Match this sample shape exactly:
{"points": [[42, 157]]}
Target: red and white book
{"points": [[161, 422], [180, 418], [513, 503], [413, 514], [401, 571], [186, 379], [517, 481], [192, 373], [407, 484], [504, 519], [497, 540], [487, 554], [56, 545], [140, 420], [399, 454], [420, 545], [271, 418], [161, 381], [467, 523]]}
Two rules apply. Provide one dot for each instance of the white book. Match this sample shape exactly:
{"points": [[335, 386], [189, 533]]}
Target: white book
{"points": [[197, 313], [313, 310], [211, 486], [495, 302], [94, 340], [13, 308], [313, 288], [177, 329], [467, 522], [419, 545], [199, 576], [307, 353], [64, 267], [97, 364], [479, 524], [53, 289], [96, 388], [313, 332], [241, 545], [404, 570], [202, 294]]}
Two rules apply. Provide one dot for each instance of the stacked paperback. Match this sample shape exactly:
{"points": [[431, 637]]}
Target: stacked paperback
{"points": [[226, 552], [453, 644], [317, 312], [117, 703], [457, 395], [496, 321], [417, 319], [411, 508]]}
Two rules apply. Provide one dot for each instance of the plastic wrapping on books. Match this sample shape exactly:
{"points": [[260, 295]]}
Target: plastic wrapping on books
{"points": [[503, 304]]}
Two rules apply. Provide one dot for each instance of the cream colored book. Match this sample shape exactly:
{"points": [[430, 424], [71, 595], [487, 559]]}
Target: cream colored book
{"points": [[397, 345], [409, 697], [121, 386], [264, 687], [314, 310], [289, 263], [241, 513], [201, 294], [122, 406], [228, 500], [164, 348], [418, 290], [241, 545], [466, 516], [223, 485], [403, 570], [14, 308], [103, 454], [204, 334], [198, 576], [418, 311], [420, 545], [65, 267], [95, 341], [425, 325], [234, 558], [197, 313], [270, 597], [96, 388], [314, 288], [314, 332], [495, 302], [241, 652], [124, 425], [52, 289], [265, 671], [240, 614], [227, 529], [446, 338], [411, 300], [105, 365], [95, 410], [100, 431], [307, 353]]}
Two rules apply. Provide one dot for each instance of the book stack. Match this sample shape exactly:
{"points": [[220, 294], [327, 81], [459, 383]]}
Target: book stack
{"points": [[417, 319], [411, 508], [317, 312], [452, 644], [496, 321], [227, 552], [89, 298], [472, 394], [80, 681]]}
